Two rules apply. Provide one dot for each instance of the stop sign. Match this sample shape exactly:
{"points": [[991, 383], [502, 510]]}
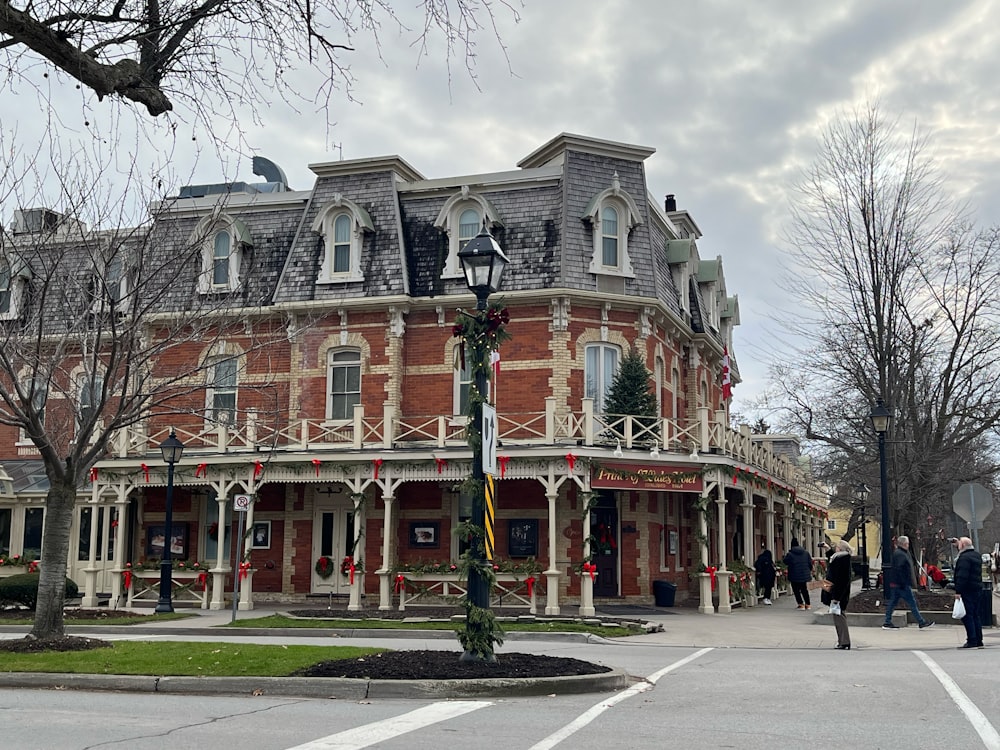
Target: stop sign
{"points": [[972, 501]]}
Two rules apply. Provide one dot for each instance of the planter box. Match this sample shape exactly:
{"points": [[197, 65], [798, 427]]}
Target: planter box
{"points": [[189, 587]]}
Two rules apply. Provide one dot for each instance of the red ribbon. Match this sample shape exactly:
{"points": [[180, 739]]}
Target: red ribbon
{"points": [[244, 570], [203, 580], [316, 462], [530, 583], [571, 460], [736, 474], [441, 463], [352, 572], [711, 572], [400, 579], [377, 462], [127, 575], [258, 468], [502, 460], [201, 471], [93, 474], [590, 568], [33, 566], [145, 472]]}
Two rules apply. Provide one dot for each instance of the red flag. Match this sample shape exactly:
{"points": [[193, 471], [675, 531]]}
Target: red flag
{"points": [[727, 384]]}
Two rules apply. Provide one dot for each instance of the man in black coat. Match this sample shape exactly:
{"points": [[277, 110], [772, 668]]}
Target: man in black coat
{"points": [[901, 585], [800, 565], [968, 584]]}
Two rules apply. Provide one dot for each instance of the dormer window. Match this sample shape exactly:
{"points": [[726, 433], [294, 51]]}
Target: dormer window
{"points": [[110, 291], [224, 241], [12, 287], [612, 214], [342, 224], [462, 217]]}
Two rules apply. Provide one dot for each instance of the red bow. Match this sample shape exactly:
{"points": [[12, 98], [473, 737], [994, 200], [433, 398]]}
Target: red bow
{"points": [[590, 568], [201, 471], [502, 460], [352, 571], [377, 462], [316, 462], [711, 572], [244, 570], [93, 474], [399, 583], [127, 576], [258, 468], [530, 583], [736, 474], [441, 463], [571, 460], [203, 580], [145, 472]]}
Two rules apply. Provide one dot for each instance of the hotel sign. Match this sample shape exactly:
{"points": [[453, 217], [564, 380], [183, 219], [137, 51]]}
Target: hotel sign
{"points": [[644, 477]]}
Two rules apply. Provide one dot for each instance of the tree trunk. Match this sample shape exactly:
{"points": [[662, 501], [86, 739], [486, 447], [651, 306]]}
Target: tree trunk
{"points": [[55, 551]]}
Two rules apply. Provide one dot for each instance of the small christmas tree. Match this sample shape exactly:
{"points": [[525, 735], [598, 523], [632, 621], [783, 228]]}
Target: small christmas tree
{"points": [[630, 392]]}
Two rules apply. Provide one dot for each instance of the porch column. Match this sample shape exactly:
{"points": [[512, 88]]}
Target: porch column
{"points": [[769, 524], [552, 573], [246, 583], [90, 572], [385, 571], [586, 582], [354, 603], [221, 558], [117, 585], [723, 575], [749, 536], [705, 605]]}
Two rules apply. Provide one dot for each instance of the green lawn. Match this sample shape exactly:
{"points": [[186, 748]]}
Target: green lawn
{"points": [[177, 658]]}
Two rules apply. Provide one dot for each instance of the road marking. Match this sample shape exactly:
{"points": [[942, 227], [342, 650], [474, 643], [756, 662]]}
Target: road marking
{"points": [[985, 730], [593, 712], [380, 731]]}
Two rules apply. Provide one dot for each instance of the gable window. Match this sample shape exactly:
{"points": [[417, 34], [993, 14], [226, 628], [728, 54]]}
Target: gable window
{"points": [[222, 390], [342, 224], [110, 291], [224, 241], [12, 285], [461, 218], [343, 383], [5, 290], [612, 214], [600, 367]]}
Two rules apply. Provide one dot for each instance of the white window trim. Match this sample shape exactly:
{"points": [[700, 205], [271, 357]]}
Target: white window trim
{"points": [[239, 239], [323, 225], [600, 395], [448, 219], [19, 274], [628, 218], [328, 409]]}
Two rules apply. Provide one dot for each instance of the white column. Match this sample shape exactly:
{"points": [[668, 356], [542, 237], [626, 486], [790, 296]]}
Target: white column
{"points": [[246, 583], [90, 572], [221, 559], [354, 603], [384, 572], [552, 573], [586, 582], [749, 535], [723, 573], [121, 503], [705, 605]]}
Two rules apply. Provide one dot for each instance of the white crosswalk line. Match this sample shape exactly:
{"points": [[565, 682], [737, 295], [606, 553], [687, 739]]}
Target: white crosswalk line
{"points": [[986, 731], [380, 731]]}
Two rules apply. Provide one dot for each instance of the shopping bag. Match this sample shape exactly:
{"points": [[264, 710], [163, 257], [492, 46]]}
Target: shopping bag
{"points": [[835, 608], [958, 611]]}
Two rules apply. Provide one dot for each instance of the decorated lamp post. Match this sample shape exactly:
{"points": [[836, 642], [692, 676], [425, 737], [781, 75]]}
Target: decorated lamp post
{"points": [[483, 263], [881, 417], [172, 450]]}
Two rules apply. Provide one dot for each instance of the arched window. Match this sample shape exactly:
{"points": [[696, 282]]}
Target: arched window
{"points": [[609, 237], [343, 383], [468, 226], [612, 214], [461, 218], [223, 241], [342, 244], [342, 223], [222, 388], [600, 366]]}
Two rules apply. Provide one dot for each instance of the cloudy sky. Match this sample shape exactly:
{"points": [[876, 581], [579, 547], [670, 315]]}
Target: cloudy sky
{"points": [[732, 96]]}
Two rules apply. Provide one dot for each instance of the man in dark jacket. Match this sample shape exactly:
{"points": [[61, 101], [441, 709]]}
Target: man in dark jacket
{"points": [[901, 585], [968, 584], [800, 567]]}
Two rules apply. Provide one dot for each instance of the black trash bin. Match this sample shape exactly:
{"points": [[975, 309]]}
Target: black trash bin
{"points": [[664, 592], [986, 605]]}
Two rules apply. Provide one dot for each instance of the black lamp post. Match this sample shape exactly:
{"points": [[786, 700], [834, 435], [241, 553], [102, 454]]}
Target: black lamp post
{"points": [[863, 492], [172, 449], [881, 417], [483, 263]]}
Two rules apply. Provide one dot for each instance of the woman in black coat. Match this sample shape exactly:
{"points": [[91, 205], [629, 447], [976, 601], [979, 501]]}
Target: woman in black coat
{"points": [[766, 572], [838, 573]]}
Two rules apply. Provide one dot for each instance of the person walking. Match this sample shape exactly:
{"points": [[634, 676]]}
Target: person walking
{"points": [[838, 591], [800, 565], [901, 585], [764, 568], [968, 584]]}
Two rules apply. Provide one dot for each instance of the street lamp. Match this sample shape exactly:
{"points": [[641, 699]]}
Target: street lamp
{"points": [[881, 417], [172, 449], [483, 263], [863, 492]]}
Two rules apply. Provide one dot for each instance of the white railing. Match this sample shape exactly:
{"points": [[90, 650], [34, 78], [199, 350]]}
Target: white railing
{"points": [[416, 586], [188, 586]]}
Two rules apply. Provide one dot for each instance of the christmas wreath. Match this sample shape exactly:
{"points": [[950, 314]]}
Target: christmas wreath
{"points": [[324, 566], [347, 563]]}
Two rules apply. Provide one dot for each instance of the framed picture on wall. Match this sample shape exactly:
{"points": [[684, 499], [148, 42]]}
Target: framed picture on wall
{"points": [[261, 535], [425, 533], [178, 545], [522, 537]]}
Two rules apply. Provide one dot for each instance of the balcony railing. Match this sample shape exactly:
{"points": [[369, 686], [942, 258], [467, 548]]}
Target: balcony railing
{"points": [[707, 434]]}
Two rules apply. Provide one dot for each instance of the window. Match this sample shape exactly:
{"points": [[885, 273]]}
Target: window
{"points": [[461, 218], [89, 391], [463, 382], [468, 226], [599, 370], [609, 237], [5, 523], [5, 290], [39, 396], [658, 380], [31, 540], [12, 286], [675, 398], [224, 240], [343, 383], [222, 390], [110, 291], [612, 214], [831, 524], [342, 225]]}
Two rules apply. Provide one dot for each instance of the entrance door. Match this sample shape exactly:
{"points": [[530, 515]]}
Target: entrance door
{"points": [[333, 538], [107, 528], [604, 544]]}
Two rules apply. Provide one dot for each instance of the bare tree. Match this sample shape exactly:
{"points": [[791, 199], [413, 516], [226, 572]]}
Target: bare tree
{"points": [[155, 53], [896, 298], [101, 328]]}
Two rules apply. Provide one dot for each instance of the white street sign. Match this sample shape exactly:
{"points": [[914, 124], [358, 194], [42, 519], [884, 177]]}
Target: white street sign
{"points": [[242, 503], [490, 432]]}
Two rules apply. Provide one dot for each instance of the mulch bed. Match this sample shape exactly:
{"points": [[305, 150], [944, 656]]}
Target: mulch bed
{"points": [[873, 601]]}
